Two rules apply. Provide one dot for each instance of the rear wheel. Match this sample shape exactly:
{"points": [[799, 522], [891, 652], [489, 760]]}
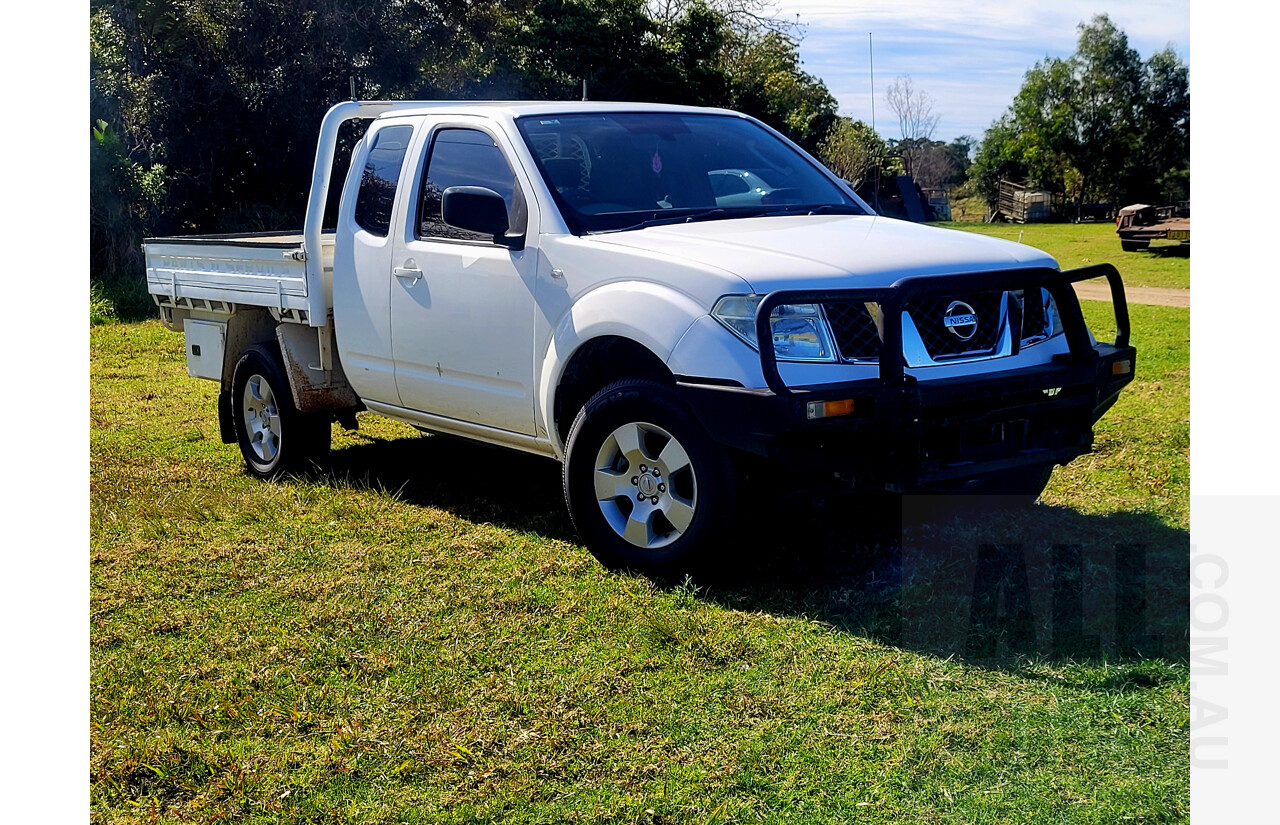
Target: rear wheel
{"points": [[1134, 246], [646, 486], [274, 436]]}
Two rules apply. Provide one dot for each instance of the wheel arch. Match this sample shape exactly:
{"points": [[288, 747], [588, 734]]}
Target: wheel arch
{"points": [[595, 364], [247, 327], [616, 330]]}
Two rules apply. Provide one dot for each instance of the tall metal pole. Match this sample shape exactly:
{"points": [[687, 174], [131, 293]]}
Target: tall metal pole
{"points": [[872, 56]]}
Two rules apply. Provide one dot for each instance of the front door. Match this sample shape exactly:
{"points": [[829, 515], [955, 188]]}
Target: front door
{"points": [[462, 306]]}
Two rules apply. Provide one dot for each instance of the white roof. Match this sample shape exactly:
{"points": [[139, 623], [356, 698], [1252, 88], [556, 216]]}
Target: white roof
{"points": [[520, 108]]}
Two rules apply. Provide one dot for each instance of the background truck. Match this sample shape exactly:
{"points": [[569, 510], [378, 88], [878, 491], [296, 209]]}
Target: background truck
{"points": [[1138, 225], [585, 282]]}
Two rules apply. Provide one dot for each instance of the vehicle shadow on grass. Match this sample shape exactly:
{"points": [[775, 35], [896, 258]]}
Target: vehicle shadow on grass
{"points": [[970, 579], [962, 578], [479, 483], [1168, 250]]}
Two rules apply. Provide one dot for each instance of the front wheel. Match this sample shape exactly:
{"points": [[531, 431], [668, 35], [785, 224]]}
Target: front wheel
{"points": [[645, 484], [274, 436]]}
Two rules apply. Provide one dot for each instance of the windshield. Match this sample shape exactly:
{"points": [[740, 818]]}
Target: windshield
{"points": [[610, 172]]}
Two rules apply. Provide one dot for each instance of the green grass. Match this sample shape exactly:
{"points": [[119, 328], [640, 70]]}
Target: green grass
{"points": [[1075, 245], [968, 208], [406, 637], [102, 310]]}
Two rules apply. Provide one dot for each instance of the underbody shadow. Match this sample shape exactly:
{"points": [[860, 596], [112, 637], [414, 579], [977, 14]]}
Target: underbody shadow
{"points": [[971, 578], [944, 575], [1171, 250], [474, 481]]}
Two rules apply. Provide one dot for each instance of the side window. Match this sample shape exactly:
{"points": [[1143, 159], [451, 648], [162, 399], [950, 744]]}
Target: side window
{"points": [[467, 157], [378, 182]]}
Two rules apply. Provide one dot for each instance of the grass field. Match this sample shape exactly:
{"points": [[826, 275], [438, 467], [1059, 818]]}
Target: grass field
{"points": [[1165, 264], [398, 639]]}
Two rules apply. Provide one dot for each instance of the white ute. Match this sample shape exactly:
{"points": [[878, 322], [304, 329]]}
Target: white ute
{"points": [[588, 282]]}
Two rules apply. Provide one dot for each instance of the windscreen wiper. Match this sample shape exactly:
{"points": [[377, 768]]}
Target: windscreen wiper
{"points": [[684, 217], [820, 209]]}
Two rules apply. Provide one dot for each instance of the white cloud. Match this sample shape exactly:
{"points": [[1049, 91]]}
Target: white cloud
{"points": [[970, 58], [1051, 22]]}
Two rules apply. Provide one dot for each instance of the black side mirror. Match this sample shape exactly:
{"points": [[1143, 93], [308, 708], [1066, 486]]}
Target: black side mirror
{"points": [[478, 209]]}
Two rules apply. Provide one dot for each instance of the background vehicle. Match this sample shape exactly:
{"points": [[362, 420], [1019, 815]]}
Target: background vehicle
{"points": [[734, 187], [562, 279], [1139, 225]]}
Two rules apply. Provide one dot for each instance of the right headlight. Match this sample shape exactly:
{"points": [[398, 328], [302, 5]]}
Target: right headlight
{"points": [[1045, 314], [800, 332]]}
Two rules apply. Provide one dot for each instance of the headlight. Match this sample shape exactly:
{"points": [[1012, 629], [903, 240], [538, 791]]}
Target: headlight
{"points": [[800, 333], [1055, 320], [1040, 320]]}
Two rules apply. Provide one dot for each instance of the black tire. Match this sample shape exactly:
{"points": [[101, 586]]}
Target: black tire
{"points": [[260, 392], [681, 510], [1134, 246]]}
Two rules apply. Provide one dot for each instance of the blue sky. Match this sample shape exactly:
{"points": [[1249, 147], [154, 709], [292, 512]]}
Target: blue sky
{"points": [[970, 57]]}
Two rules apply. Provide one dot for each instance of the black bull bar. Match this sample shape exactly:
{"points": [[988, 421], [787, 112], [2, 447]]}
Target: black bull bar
{"points": [[904, 433]]}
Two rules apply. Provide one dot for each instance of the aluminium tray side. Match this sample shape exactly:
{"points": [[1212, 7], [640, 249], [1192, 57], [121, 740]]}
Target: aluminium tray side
{"points": [[251, 270]]}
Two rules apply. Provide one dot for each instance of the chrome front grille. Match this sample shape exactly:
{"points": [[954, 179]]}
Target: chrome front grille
{"points": [[854, 326], [930, 316], [857, 335]]}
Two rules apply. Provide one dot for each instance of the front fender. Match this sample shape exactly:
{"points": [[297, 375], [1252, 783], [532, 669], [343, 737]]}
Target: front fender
{"points": [[652, 315]]}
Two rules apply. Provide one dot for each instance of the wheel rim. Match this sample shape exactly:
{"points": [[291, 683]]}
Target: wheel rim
{"points": [[261, 419], [645, 485]]}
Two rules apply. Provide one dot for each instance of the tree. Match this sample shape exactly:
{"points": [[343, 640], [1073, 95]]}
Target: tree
{"points": [[1101, 125], [916, 119], [1165, 120], [852, 149], [961, 150], [999, 157], [939, 165], [1109, 97], [767, 82], [744, 16], [211, 106], [934, 164], [611, 44]]}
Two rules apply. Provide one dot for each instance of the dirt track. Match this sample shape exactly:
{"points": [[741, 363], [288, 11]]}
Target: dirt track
{"points": [[1159, 296]]}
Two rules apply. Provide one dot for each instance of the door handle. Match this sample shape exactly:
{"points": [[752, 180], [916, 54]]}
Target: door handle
{"points": [[409, 274]]}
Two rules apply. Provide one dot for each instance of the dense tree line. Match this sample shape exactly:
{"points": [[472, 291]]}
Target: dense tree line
{"points": [[205, 113], [1101, 126]]}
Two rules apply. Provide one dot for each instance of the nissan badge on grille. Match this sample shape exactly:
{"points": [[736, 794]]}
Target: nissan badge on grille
{"points": [[960, 320]]}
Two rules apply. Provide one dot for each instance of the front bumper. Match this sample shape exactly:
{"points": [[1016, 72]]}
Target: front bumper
{"points": [[905, 433], [1155, 235]]}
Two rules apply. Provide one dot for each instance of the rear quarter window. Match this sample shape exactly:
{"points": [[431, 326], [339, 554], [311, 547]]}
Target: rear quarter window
{"points": [[378, 181]]}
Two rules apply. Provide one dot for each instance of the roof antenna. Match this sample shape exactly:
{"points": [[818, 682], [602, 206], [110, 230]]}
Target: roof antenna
{"points": [[352, 78], [584, 88]]}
